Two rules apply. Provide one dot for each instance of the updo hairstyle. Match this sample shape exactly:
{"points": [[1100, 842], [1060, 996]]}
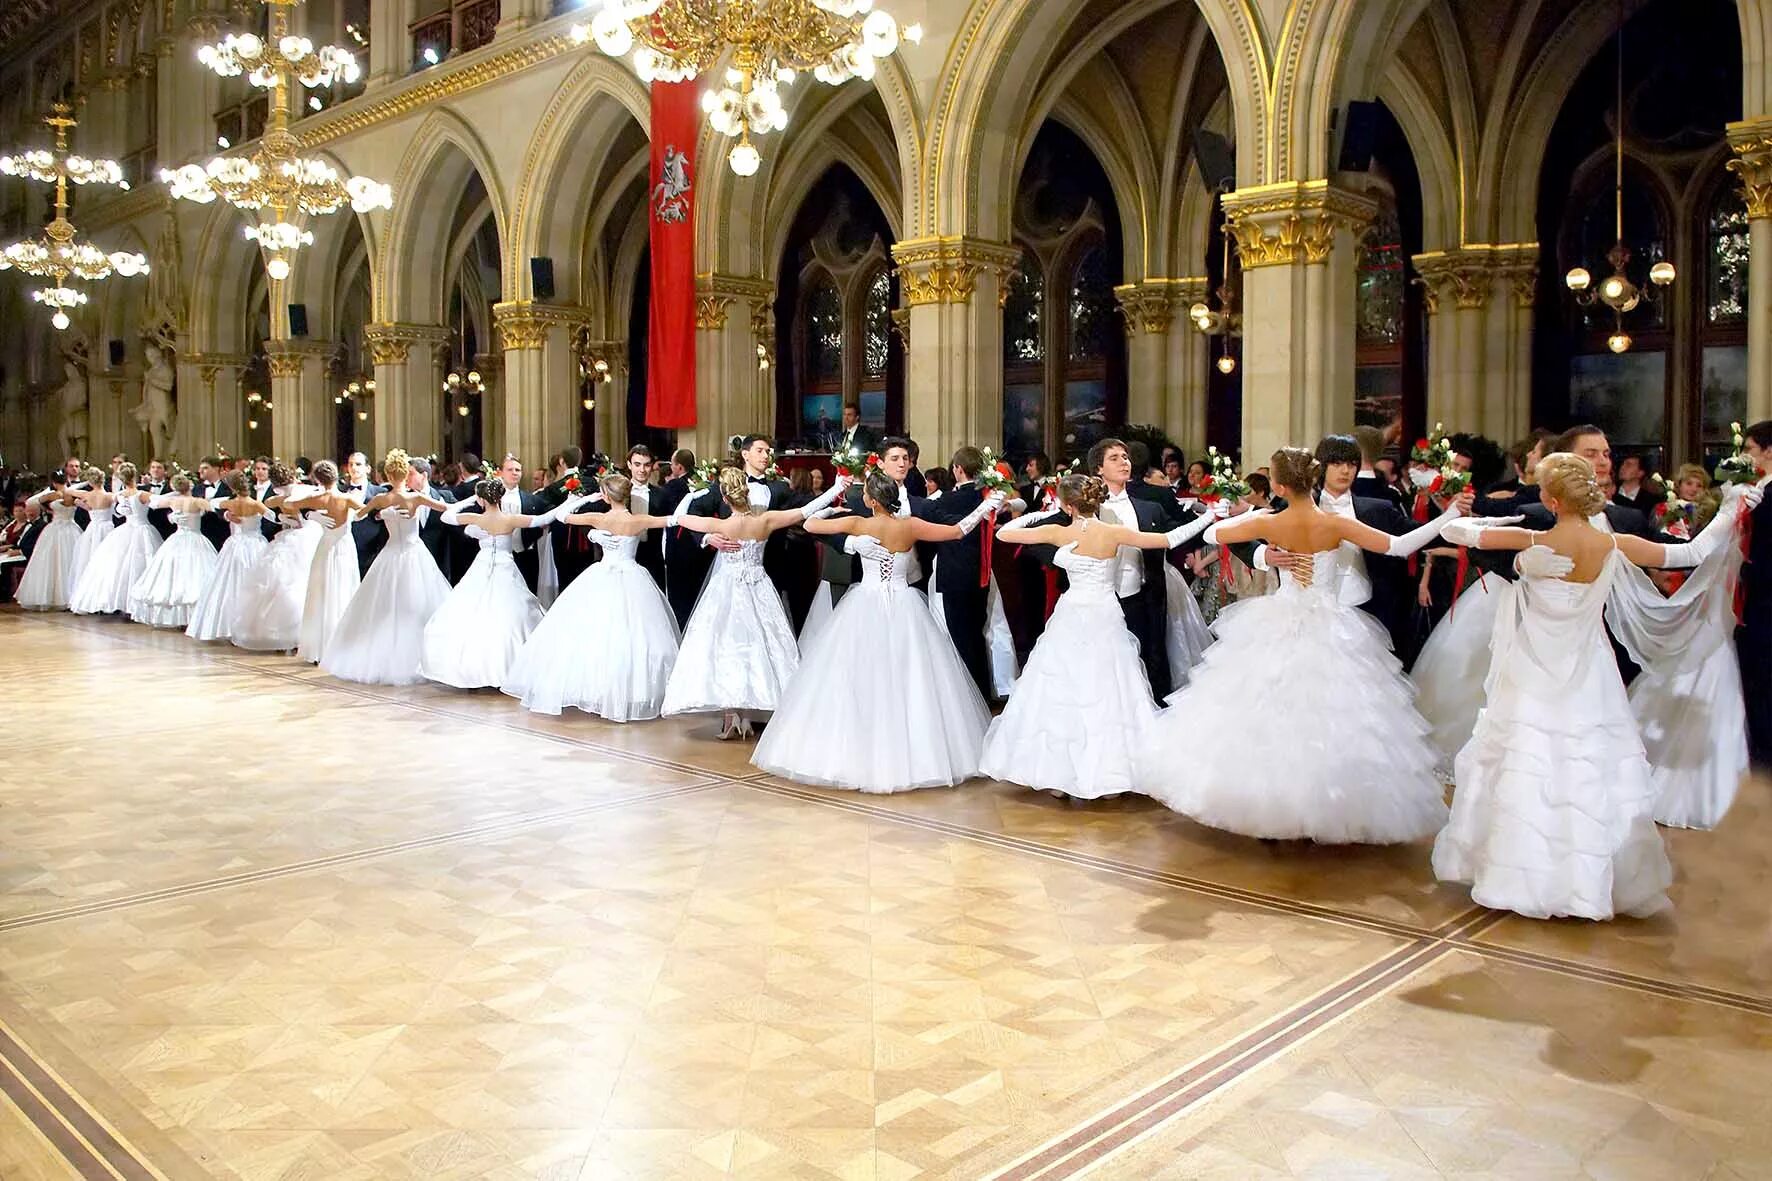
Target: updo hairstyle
{"points": [[490, 490], [1570, 481], [616, 488], [1082, 495], [736, 489], [882, 489], [325, 474], [1294, 469], [396, 466]]}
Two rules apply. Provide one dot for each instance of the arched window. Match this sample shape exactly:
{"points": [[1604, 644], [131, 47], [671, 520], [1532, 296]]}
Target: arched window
{"points": [[876, 346], [1378, 317], [1722, 376], [1092, 329], [1024, 357]]}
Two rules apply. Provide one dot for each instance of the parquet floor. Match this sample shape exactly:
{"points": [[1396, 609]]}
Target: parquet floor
{"points": [[257, 924]]}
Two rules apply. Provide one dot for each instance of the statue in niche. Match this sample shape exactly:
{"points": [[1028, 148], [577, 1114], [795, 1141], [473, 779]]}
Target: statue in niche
{"points": [[71, 398], [158, 410]]}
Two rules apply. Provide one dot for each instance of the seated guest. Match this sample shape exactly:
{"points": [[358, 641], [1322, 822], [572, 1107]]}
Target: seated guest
{"points": [[1633, 488]]}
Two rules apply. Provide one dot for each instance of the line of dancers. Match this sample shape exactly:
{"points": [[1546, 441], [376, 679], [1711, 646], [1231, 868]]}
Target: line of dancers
{"points": [[1559, 777]]}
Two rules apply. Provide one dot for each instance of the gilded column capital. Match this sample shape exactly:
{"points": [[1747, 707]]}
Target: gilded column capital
{"points": [[945, 269], [1751, 141], [1151, 306], [715, 294], [210, 365], [1469, 274], [524, 324], [390, 343], [1292, 222]]}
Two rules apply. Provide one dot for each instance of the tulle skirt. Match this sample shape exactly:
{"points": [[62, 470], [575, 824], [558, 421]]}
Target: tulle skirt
{"points": [[818, 617], [919, 721], [1297, 725], [333, 580], [91, 538], [607, 647], [1554, 809], [999, 640], [49, 579], [476, 634], [738, 651], [268, 609], [379, 639], [1693, 725], [169, 588], [1082, 709], [106, 582], [1453, 664], [213, 616], [1188, 634]]}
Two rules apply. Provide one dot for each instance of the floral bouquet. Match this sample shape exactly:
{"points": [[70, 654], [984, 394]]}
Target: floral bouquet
{"points": [[705, 475], [996, 475], [1737, 468], [853, 462], [1435, 451], [1223, 482], [1674, 515]]}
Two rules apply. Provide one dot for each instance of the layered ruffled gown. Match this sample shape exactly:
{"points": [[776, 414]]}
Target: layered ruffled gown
{"points": [[474, 637], [213, 616], [379, 638], [268, 611], [1454, 664], [123, 557], [922, 722], [181, 569], [93, 536], [738, 652], [607, 646], [50, 576], [1554, 808], [1298, 725]]}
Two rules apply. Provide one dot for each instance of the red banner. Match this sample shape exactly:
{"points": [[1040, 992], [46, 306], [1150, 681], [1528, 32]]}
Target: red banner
{"points": [[670, 360]]}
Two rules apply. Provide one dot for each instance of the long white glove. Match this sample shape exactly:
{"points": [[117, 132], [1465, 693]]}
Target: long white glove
{"points": [[1029, 521], [1211, 536], [989, 505], [1402, 547], [1716, 534], [1182, 534], [817, 507], [1541, 561], [1468, 531], [564, 509]]}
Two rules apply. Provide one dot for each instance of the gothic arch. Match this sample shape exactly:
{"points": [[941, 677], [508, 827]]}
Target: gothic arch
{"points": [[801, 169], [1436, 161], [221, 282], [410, 262]]}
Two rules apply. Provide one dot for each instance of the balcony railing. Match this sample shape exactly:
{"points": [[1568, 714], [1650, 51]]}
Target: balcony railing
{"points": [[242, 121], [465, 25]]}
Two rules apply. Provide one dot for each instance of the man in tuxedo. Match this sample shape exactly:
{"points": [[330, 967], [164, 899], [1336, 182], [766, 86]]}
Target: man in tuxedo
{"points": [[1590, 442], [471, 473], [1144, 598], [571, 543], [261, 478], [646, 499], [959, 569], [854, 434], [755, 454], [112, 483], [211, 484], [368, 533], [1368, 484], [914, 481], [686, 560], [156, 481], [841, 569], [518, 501], [1753, 639], [431, 529]]}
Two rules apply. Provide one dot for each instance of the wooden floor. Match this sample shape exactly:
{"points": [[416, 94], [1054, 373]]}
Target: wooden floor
{"points": [[258, 924]]}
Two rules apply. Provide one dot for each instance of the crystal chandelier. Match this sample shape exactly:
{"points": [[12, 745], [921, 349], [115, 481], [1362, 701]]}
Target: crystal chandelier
{"points": [[1617, 291], [275, 181], [770, 42], [58, 254]]}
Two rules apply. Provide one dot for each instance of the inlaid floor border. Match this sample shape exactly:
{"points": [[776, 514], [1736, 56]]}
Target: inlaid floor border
{"points": [[90, 1146]]}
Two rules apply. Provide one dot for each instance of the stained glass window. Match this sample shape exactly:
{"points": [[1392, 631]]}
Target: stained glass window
{"points": [[1381, 278], [1726, 293], [823, 312], [1091, 307], [877, 324], [1024, 315]]}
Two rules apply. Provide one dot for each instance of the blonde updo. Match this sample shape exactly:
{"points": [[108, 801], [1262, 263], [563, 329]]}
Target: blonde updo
{"points": [[736, 489], [1082, 495], [325, 473], [126, 472], [93, 476], [181, 483], [1570, 481], [616, 488], [396, 466], [1295, 469]]}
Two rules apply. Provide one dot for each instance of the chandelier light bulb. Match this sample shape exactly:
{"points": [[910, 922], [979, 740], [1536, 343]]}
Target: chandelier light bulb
{"points": [[1227, 364], [1618, 342], [60, 320], [278, 267], [1612, 288], [589, 403], [462, 410], [338, 399], [745, 159], [362, 416], [1577, 279], [1662, 273]]}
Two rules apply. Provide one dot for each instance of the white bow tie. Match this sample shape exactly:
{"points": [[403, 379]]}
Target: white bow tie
{"points": [[1343, 504]]}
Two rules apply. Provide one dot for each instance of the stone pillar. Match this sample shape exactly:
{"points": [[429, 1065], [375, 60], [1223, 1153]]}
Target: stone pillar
{"points": [[390, 51], [302, 415], [516, 15], [1297, 241], [1479, 369], [210, 414], [1752, 141], [1165, 358], [406, 411], [733, 395], [186, 91], [954, 287], [539, 402]]}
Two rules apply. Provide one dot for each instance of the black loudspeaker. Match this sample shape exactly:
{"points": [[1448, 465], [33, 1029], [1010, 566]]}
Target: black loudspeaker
{"points": [[1358, 137], [298, 319], [116, 353], [541, 277], [1217, 160]]}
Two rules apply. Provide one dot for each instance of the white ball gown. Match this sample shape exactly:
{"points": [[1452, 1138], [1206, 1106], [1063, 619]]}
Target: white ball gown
{"points": [[105, 583], [378, 640], [268, 610], [1554, 809], [476, 634], [738, 651], [332, 582], [999, 640], [921, 721], [93, 536], [1453, 664], [1310, 681], [49, 582], [1082, 709], [213, 616], [1188, 635], [175, 579], [607, 646]]}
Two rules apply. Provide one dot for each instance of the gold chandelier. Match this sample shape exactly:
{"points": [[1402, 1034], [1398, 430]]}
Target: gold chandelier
{"points": [[276, 180], [769, 43], [1224, 322], [59, 253], [1616, 290]]}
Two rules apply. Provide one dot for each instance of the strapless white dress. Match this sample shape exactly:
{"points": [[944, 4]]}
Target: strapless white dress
{"points": [[93, 536], [1298, 725], [50, 576], [268, 612], [1453, 664], [738, 651], [476, 634], [332, 582], [168, 590], [607, 646], [921, 722], [121, 559], [381, 634], [213, 616], [1082, 710]]}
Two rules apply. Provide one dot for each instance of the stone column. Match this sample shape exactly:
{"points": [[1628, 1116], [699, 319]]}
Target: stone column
{"points": [[186, 91], [406, 411], [734, 395], [1479, 305], [516, 15], [1165, 358], [1752, 141], [302, 415], [390, 51], [539, 401], [1297, 241], [954, 287], [210, 414]]}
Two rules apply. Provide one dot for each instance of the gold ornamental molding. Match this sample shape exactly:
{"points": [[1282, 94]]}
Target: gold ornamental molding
{"points": [[715, 294], [287, 357], [286, 364], [1751, 140], [1151, 306], [210, 365], [390, 343], [1292, 222], [524, 324], [1469, 275], [945, 269]]}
